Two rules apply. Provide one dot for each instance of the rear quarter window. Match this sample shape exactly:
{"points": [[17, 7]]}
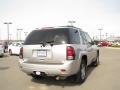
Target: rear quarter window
{"points": [[74, 36]]}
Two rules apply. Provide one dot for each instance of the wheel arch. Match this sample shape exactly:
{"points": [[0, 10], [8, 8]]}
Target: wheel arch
{"points": [[84, 57]]}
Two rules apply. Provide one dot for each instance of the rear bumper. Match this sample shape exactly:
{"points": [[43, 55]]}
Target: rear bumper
{"points": [[67, 69]]}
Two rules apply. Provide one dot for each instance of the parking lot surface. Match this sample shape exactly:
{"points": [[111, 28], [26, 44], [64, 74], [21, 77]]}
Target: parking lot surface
{"points": [[104, 77]]}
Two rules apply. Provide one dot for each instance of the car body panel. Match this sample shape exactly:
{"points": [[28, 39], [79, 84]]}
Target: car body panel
{"points": [[51, 58], [15, 47]]}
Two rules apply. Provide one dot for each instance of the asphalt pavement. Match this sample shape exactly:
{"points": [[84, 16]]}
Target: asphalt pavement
{"points": [[104, 77]]}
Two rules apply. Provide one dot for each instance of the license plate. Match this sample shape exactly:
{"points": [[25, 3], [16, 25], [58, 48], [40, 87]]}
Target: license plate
{"points": [[42, 53]]}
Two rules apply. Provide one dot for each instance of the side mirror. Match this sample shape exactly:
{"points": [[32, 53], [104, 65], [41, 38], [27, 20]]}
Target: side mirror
{"points": [[92, 43]]}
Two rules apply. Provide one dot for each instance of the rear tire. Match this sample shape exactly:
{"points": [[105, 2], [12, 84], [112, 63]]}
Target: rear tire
{"points": [[10, 52], [1, 55], [81, 75], [96, 62], [36, 77]]}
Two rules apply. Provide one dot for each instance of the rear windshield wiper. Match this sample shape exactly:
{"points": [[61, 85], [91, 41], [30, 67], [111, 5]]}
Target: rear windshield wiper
{"points": [[50, 42], [43, 43]]}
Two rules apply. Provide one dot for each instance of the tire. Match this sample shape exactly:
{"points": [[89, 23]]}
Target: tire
{"points": [[1, 55], [96, 62], [10, 52], [81, 75], [36, 77]]}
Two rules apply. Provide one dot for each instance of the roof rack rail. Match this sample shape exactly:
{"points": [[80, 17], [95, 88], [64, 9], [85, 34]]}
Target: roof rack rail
{"points": [[67, 26]]}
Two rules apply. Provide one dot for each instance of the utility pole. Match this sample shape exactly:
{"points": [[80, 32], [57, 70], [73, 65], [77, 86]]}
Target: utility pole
{"points": [[10, 35], [106, 35], [19, 30], [7, 23], [100, 29], [17, 35], [71, 22]]}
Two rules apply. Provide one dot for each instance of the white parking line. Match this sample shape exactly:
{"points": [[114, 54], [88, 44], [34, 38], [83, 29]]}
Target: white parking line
{"points": [[113, 47], [31, 87], [40, 87], [43, 88]]}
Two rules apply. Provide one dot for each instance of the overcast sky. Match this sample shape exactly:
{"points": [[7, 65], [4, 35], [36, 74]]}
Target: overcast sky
{"points": [[88, 14]]}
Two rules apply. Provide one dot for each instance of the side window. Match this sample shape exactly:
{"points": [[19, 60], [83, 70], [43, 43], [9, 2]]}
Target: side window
{"points": [[84, 40], [88, 38], [74, 37], [17, 44]]}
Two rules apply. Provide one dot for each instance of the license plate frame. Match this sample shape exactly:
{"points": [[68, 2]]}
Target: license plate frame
{"points": [[42, 53]]}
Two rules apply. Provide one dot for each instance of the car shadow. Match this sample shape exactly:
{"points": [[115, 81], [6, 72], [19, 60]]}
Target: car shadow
{"points": [[5, 55], [52, 81], [4, 68], [90, 69]]}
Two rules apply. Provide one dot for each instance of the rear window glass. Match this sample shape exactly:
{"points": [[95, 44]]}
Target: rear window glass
{"points": [[55, 36]]}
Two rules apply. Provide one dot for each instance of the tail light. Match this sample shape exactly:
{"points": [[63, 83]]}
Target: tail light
{"points": [[70, 54], [21, 53]]}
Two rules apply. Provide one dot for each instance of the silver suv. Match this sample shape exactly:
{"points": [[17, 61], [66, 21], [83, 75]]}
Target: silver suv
{"points": [[58, 51]]}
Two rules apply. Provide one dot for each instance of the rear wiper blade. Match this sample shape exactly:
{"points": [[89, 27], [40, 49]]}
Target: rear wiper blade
{"points": [[50, 42], [43, 43]]}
